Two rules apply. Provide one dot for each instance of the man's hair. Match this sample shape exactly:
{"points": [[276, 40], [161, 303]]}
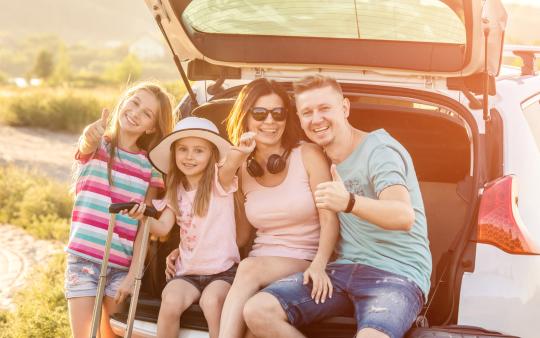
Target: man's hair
{"points": [[314, 82]]}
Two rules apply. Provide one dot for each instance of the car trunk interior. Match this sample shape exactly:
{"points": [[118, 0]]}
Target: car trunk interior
{"points": [[440, 144]]}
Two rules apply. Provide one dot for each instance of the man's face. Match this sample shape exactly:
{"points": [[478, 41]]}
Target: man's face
{"points": [[323, 114]]}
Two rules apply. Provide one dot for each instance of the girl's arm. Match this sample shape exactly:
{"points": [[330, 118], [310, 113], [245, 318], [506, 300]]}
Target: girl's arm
{"points": [[235, 158], [318, 172], [93, 133]]}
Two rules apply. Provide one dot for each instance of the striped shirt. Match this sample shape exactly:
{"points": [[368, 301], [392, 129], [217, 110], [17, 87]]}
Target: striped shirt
{"points": [[132, 174]]}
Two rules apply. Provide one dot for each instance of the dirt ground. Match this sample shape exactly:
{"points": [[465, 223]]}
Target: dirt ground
{"points": [[48, 153]]}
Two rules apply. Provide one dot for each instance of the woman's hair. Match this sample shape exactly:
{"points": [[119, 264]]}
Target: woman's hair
{"points": [[175, 177], [237, 119], [163, 123]]}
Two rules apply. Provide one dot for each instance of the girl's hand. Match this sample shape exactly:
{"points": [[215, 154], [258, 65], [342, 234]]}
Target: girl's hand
{"points": [[93, 133], [124, 289], [137, 212], [170, 264], [322, 286], [247, 142]]}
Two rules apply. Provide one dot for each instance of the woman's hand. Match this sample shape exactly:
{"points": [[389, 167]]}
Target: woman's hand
{"points": [[247, 142], [124, 289], [170, 264], [322, 286]]}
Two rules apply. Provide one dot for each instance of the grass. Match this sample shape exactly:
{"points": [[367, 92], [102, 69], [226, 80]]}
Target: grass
{"points": [[36, 203], [62, 109], [41, 309]]}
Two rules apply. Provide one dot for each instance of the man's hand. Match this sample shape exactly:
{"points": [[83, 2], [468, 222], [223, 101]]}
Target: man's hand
{"points": [[124, 289], [322, 286], [170, 264], [93, 133], [332, 195], [247, 142]]}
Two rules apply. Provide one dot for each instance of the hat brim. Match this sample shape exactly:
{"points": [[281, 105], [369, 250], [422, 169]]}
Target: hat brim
{"points": [[160, 155]]}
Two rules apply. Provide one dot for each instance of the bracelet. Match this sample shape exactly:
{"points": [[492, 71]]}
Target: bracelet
{"points": [[350, 205]]}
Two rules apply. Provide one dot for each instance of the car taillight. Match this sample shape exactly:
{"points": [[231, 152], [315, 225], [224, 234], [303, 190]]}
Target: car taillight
{"points": [[499, 222]]}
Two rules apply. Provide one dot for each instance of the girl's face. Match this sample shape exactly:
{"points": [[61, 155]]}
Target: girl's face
{"points": [[269, 130], [139, 113], [192, 155]]}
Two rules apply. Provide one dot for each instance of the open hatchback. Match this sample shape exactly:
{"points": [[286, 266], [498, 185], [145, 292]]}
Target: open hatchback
{"points": [[415, 68]]}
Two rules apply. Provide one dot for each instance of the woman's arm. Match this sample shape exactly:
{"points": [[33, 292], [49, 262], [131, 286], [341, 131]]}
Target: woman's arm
{"points": [[318, 172]]}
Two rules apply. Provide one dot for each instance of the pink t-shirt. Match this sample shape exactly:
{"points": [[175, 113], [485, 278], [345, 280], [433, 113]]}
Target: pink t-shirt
{"points": [[285, 216], [207, 244]]}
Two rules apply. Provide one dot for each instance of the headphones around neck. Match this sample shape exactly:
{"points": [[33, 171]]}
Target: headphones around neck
{"points": [[274, 165]]}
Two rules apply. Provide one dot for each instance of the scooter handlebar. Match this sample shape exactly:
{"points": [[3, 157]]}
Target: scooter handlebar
{"points": [[115, 208]]}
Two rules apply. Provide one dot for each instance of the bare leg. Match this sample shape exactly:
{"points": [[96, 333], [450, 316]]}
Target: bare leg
{"points": [[266, 318], [177, 296], [253, 274], [109, 308], [80, 315], [211, 303]]}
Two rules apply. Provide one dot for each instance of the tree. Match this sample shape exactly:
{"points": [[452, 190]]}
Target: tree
{"points": [[128, 70], [62, 71], [44, 65]]}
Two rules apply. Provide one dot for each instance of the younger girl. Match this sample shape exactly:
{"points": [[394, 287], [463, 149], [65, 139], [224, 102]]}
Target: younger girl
{"points": [[200, 199], [112, 167]]}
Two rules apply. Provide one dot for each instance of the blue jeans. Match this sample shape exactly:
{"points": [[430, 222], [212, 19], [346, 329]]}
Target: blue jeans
{"points": [[82, 278], [380, 300], [202, 281]]}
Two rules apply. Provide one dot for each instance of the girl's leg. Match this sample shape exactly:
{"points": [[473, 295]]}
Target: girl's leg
{"points": [[80, 315], [177, 296], [109, 308], [253, 274], [211, 303]]}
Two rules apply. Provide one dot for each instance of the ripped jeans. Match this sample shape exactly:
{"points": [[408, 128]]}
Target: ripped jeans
{"points": [[378, 299]]}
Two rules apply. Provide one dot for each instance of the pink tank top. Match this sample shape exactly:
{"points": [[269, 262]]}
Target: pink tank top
{"points": [[285, 216]]}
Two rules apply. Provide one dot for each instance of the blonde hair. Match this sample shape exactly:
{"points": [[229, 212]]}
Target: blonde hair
{"points": [[163, 123], [175, 177], [314, 82]]}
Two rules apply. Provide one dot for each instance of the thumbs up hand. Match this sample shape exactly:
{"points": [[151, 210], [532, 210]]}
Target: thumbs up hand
{"points": [[94, 132], [332, 195]]}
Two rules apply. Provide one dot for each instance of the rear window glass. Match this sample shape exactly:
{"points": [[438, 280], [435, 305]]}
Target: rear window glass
{"points": [[398, 20]]}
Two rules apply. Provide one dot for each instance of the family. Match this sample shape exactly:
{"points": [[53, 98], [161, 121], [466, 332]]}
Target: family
{"points": [[340, 228]]}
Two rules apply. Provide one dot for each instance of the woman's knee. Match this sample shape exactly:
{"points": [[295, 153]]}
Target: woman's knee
{"points": [[248, 270], [262, 309]]}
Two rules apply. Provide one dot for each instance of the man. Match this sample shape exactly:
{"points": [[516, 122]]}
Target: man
{"points": [[383, 267]]}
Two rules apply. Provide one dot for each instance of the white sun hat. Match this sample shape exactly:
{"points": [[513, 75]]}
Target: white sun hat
{"points": [[160, 155]]}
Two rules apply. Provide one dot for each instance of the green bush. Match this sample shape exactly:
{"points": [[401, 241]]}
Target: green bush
{"points": [[35, 203], [64, 111], [41, 309]]}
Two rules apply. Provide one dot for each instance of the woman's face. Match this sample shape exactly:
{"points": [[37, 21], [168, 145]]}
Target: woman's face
{"points": [[269, 130]]}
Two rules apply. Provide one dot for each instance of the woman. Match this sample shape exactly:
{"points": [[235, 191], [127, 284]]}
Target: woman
{"points": [[277, 180]]}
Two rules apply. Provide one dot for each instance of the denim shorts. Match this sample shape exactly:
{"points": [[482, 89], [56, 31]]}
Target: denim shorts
{"points": [[202, 281], [82, 278], [378, 299]]}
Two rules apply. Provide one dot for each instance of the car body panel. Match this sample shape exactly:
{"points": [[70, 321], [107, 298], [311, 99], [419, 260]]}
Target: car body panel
{"points": [[438, 59]]}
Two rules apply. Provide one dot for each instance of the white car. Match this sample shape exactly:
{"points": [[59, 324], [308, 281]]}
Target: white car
{"points": [[427, 71]]}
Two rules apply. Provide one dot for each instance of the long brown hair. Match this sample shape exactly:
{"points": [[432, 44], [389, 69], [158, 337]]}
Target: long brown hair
{"points": [[237, 121], [163, 123], [175, 177]]}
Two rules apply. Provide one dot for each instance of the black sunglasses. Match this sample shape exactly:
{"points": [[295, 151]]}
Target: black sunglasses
{"points": [[260, 113]]}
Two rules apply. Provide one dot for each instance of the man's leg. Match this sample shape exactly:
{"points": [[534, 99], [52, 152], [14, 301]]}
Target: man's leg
{"points": [[287, 304], [385, 304]]}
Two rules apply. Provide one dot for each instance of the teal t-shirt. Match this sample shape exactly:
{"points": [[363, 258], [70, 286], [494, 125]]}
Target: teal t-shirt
{"points": [[377, 163]]}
